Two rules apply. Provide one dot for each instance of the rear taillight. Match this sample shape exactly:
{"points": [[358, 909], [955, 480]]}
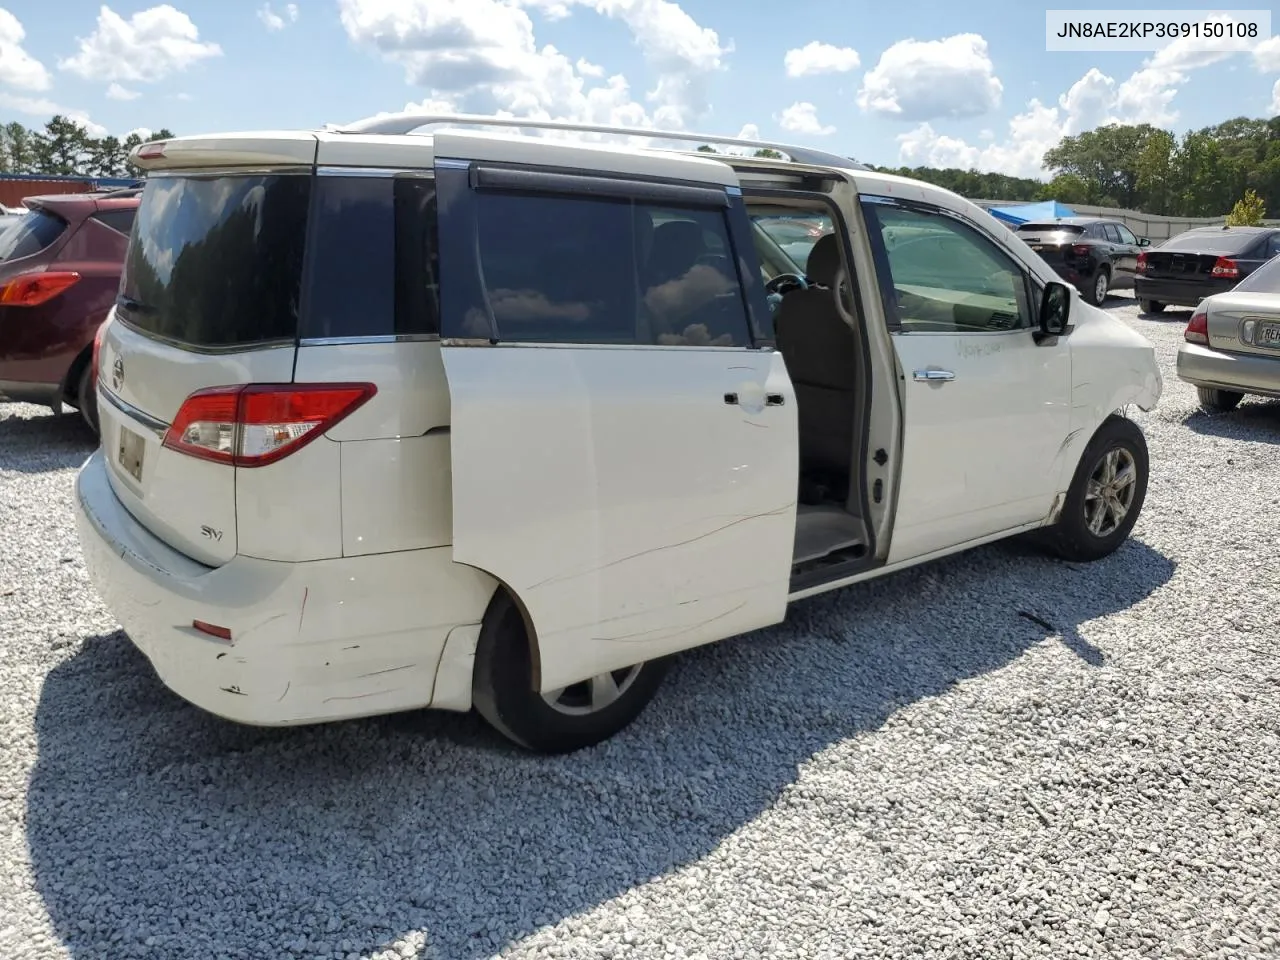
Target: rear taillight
{"points": [[151, 151], [258, 423], [1225, 268], [1198, 327], [97, 348], [33, 289], [1142, 263]]}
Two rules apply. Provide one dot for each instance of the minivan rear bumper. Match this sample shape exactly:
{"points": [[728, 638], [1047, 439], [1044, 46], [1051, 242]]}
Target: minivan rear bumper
{"points": [[310, 641]]}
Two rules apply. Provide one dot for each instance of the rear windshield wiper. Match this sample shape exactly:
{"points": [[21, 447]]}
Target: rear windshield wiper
{"points": [[135, 306]]}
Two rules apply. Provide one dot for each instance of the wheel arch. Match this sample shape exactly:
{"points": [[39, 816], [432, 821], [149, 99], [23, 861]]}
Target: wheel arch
{"points": [[71, 379]]}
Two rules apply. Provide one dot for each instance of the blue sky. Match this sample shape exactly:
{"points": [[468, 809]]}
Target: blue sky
{"points": [[920, 81]]}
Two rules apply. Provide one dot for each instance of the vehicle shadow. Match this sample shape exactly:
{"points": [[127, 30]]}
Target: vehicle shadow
{"points": [[194, 836], [1256, 419], [43, 443]]}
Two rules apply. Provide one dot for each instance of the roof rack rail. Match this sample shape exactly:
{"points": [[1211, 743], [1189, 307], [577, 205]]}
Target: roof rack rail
{"points": [[402, 123]]}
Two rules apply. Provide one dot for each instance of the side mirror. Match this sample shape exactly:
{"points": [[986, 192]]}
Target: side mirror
{"points": [[1055, 311], [1144, 242]]}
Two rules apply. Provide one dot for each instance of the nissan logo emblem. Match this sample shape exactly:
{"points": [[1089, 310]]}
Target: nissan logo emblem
{"points": [[117, 374]]}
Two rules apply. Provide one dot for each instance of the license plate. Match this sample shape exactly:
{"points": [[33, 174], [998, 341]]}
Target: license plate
{"points": [[1268, 335], [130, 452]]}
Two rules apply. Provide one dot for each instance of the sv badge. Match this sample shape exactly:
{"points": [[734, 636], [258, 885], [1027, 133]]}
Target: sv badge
{"points": [[210, 533]]}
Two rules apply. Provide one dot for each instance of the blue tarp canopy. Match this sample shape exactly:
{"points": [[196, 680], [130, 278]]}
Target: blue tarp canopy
{"points": [[1026, 212]]}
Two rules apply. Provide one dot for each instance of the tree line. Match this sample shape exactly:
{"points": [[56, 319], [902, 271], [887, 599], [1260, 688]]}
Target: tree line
{"points": [[1203, 173], [65, 147]]}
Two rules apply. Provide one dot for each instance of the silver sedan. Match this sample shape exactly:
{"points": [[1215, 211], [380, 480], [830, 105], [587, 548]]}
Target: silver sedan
{"points": [[1232, 343]]}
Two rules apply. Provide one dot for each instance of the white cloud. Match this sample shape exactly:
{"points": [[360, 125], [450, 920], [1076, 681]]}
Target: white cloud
{"points": [[149, 46], [482, 55], [44, 108], [1146, 96], [276, 21], [927, 80], [749, 131], [117, 92], [17, 67], [802, 117], [1275, 99], [816, 58]]}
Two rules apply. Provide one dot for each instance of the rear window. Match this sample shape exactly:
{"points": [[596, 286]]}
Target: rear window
{"points": [[1266, 279], [1218, 243], [1051, 228], [216, 262], [33, 232]]}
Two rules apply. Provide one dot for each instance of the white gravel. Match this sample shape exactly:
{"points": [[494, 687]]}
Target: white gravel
{"points": [[911, 768]]}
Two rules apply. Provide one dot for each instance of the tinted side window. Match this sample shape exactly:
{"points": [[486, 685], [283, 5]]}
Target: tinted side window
{"points": [[119, 220], [572, 270], [372, 259], [943, 275], [1126, 235], [1111, 232], [1273, 246]]}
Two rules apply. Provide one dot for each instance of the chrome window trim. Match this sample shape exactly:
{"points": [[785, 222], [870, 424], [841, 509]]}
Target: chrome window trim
{"points": [[158, 427], [369, 338]]}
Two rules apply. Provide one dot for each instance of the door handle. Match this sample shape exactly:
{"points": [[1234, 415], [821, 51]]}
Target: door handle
{"points": [[933, 376]]}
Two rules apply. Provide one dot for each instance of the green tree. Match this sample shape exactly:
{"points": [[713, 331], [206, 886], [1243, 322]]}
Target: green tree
{"points": [[62, 147], [17, 149], [107, 157], [1249, 211], [769, 154], [1106, 159], [1156, 182], [1065, 187]]}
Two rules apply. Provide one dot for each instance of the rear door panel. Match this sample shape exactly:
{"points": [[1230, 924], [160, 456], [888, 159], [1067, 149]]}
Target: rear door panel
{"points": [[637, 498]]}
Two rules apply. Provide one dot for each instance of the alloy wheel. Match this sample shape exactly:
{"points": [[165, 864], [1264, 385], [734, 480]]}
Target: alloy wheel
{"points": [[594, 694], [1109, 496]]}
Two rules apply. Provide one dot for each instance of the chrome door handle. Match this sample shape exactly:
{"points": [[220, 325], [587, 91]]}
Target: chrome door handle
{"points": [[933, 376]]}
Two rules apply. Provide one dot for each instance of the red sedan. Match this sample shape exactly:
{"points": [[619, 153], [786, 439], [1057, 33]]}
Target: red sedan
{"points": [[59, 275]]}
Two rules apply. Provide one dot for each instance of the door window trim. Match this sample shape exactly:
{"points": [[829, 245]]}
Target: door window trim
{"points": [[884, 274]]}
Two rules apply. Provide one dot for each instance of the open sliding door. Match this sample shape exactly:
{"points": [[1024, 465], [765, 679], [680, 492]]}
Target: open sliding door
{"points": [[624, 452]]}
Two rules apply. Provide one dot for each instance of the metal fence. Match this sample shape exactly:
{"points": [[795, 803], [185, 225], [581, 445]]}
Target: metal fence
{"points": [[1147, 225]]}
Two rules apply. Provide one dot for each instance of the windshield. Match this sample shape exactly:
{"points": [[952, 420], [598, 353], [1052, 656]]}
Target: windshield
{"points": [[30, 234], [217, 261], [1266, 279], [1221, 243], [795, 234]]}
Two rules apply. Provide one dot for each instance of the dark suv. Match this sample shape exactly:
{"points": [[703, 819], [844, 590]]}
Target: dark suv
{"points": [[59, 275], [1092, 254]]}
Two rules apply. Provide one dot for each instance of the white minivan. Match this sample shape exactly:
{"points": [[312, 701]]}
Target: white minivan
{"points": [[491, 419]]}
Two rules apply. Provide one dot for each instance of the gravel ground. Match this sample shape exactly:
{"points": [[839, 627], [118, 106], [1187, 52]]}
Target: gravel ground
{"points": [[994, 756]]}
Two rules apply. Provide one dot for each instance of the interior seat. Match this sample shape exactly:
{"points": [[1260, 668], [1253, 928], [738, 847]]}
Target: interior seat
{"points": [[821, 353]]}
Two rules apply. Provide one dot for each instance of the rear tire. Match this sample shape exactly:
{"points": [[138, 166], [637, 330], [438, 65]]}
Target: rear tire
{"points": [[1097, 292], [1151, 306], [87, 397], [579, 716], [1219, 401], [1105, 496]]}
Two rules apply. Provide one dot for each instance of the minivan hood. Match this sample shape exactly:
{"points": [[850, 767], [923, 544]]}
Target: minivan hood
{"points": [[1113, 365]]}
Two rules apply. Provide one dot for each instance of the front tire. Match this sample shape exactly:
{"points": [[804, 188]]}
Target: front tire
{"points": [[565, 720], [1218, 401], [1106, 494], [1151, 306], [1097, 294]]}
